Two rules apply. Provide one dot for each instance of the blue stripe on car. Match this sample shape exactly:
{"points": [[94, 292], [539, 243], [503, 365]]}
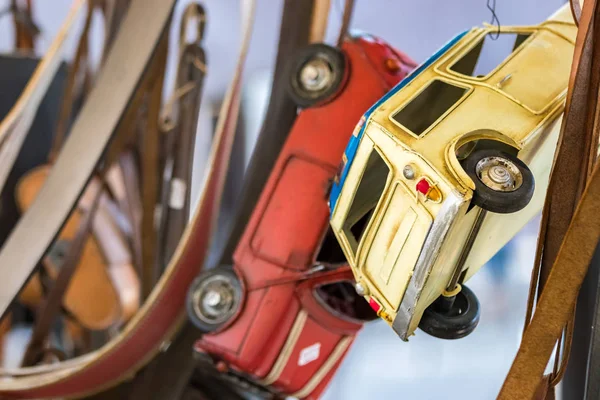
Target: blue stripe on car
{"points": [[352, 146]]}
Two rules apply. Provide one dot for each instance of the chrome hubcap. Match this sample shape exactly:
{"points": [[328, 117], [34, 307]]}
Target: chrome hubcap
{"points": [[499, 174], [316, 75], [215, 300]]}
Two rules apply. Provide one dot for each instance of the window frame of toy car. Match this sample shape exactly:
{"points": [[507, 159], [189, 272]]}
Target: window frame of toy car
{"points": [[458, 51], [428, 81], [366, 152], [444, 66]]}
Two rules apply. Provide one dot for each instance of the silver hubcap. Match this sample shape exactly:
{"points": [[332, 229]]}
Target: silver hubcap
{"points": [[316, 75], [499, 174], [215, 299]]}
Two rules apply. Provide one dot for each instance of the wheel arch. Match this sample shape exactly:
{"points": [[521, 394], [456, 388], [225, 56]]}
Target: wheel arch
{"points": [[485, 137]]}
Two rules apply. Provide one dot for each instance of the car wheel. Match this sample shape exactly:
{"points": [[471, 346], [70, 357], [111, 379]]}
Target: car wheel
{"points": [[452, 318], [503, 183], [214, 299], [316, 74]]}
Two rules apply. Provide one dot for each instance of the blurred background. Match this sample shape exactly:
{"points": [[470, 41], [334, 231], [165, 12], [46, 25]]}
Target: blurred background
{"points": [[379, 366]]}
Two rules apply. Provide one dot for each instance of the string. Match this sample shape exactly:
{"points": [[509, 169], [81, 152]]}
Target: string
{"points": [[491, 5]]}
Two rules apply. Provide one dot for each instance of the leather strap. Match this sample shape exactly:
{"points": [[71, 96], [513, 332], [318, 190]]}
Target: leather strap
{"points": [[175, 202], [114, 12], [556, 303], [347, 16], [149, 171], [576, 152], [50, 307], [26, 31], [575, 10], [319, 19]]}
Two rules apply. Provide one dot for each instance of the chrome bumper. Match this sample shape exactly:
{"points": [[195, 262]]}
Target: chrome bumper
{"points": [[431, 249]]}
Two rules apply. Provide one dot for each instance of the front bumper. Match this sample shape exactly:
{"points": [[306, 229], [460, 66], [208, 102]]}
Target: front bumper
{"points": [[436, 237]]}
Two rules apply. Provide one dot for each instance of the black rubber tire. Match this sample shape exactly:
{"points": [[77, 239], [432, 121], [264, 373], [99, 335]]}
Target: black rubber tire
{"points": [[337, 62], [497, 201], [460, 321], [227, 273]]}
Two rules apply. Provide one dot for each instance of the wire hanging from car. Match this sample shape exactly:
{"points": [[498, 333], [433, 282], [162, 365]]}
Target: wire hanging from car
{"points": [[491, 5]]}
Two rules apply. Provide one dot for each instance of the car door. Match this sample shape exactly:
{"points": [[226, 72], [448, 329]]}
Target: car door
{"points": [[296, 215], [399, 232]]}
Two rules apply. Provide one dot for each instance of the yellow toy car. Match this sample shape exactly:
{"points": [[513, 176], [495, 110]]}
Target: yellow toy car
{"points": [[440, 173]]}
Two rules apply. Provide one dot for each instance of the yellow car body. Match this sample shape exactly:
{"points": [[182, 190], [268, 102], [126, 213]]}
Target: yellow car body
{"points": [[406, 245]]}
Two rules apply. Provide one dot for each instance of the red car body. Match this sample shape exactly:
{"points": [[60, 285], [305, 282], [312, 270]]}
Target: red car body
{"points": [[295, 324]]}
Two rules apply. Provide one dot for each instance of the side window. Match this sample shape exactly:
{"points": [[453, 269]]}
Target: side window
{"points": [[366, 198], [428, 106], [488, 53]]}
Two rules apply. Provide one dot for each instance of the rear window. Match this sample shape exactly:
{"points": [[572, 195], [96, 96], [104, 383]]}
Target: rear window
{"points": [[428, 106], [366, 198], [489, 53]]}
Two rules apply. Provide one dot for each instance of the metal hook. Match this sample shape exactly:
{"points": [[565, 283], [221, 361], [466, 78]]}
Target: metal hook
{"points": [[193, 11]]}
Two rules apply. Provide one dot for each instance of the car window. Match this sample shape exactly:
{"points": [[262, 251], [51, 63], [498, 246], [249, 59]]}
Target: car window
{"points": [[419, 114], [341, 300], [366, 198], [489, 52]]}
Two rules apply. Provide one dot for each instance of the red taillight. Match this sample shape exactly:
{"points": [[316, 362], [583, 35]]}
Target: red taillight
{"points": [[374, 305], [423, 186]]}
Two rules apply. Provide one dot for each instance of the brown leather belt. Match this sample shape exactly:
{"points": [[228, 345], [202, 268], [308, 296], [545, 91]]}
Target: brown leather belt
{"points": [[149, 155], [180, 138], [570, 226], [26, 30]]}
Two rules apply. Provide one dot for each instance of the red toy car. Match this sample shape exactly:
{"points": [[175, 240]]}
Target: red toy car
{"points": [[284, 315]]}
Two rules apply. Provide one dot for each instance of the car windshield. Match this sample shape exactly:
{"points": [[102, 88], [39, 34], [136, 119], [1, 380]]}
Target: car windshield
{"points": [[365, 200]]}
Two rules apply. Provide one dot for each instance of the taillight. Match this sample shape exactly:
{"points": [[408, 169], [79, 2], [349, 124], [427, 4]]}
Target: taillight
{"points": [[423, 186], [374, 305], [431, 192]]}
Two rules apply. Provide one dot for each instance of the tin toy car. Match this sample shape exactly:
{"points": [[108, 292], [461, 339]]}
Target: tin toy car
{"points": [[284, 315], [440, 173]]}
